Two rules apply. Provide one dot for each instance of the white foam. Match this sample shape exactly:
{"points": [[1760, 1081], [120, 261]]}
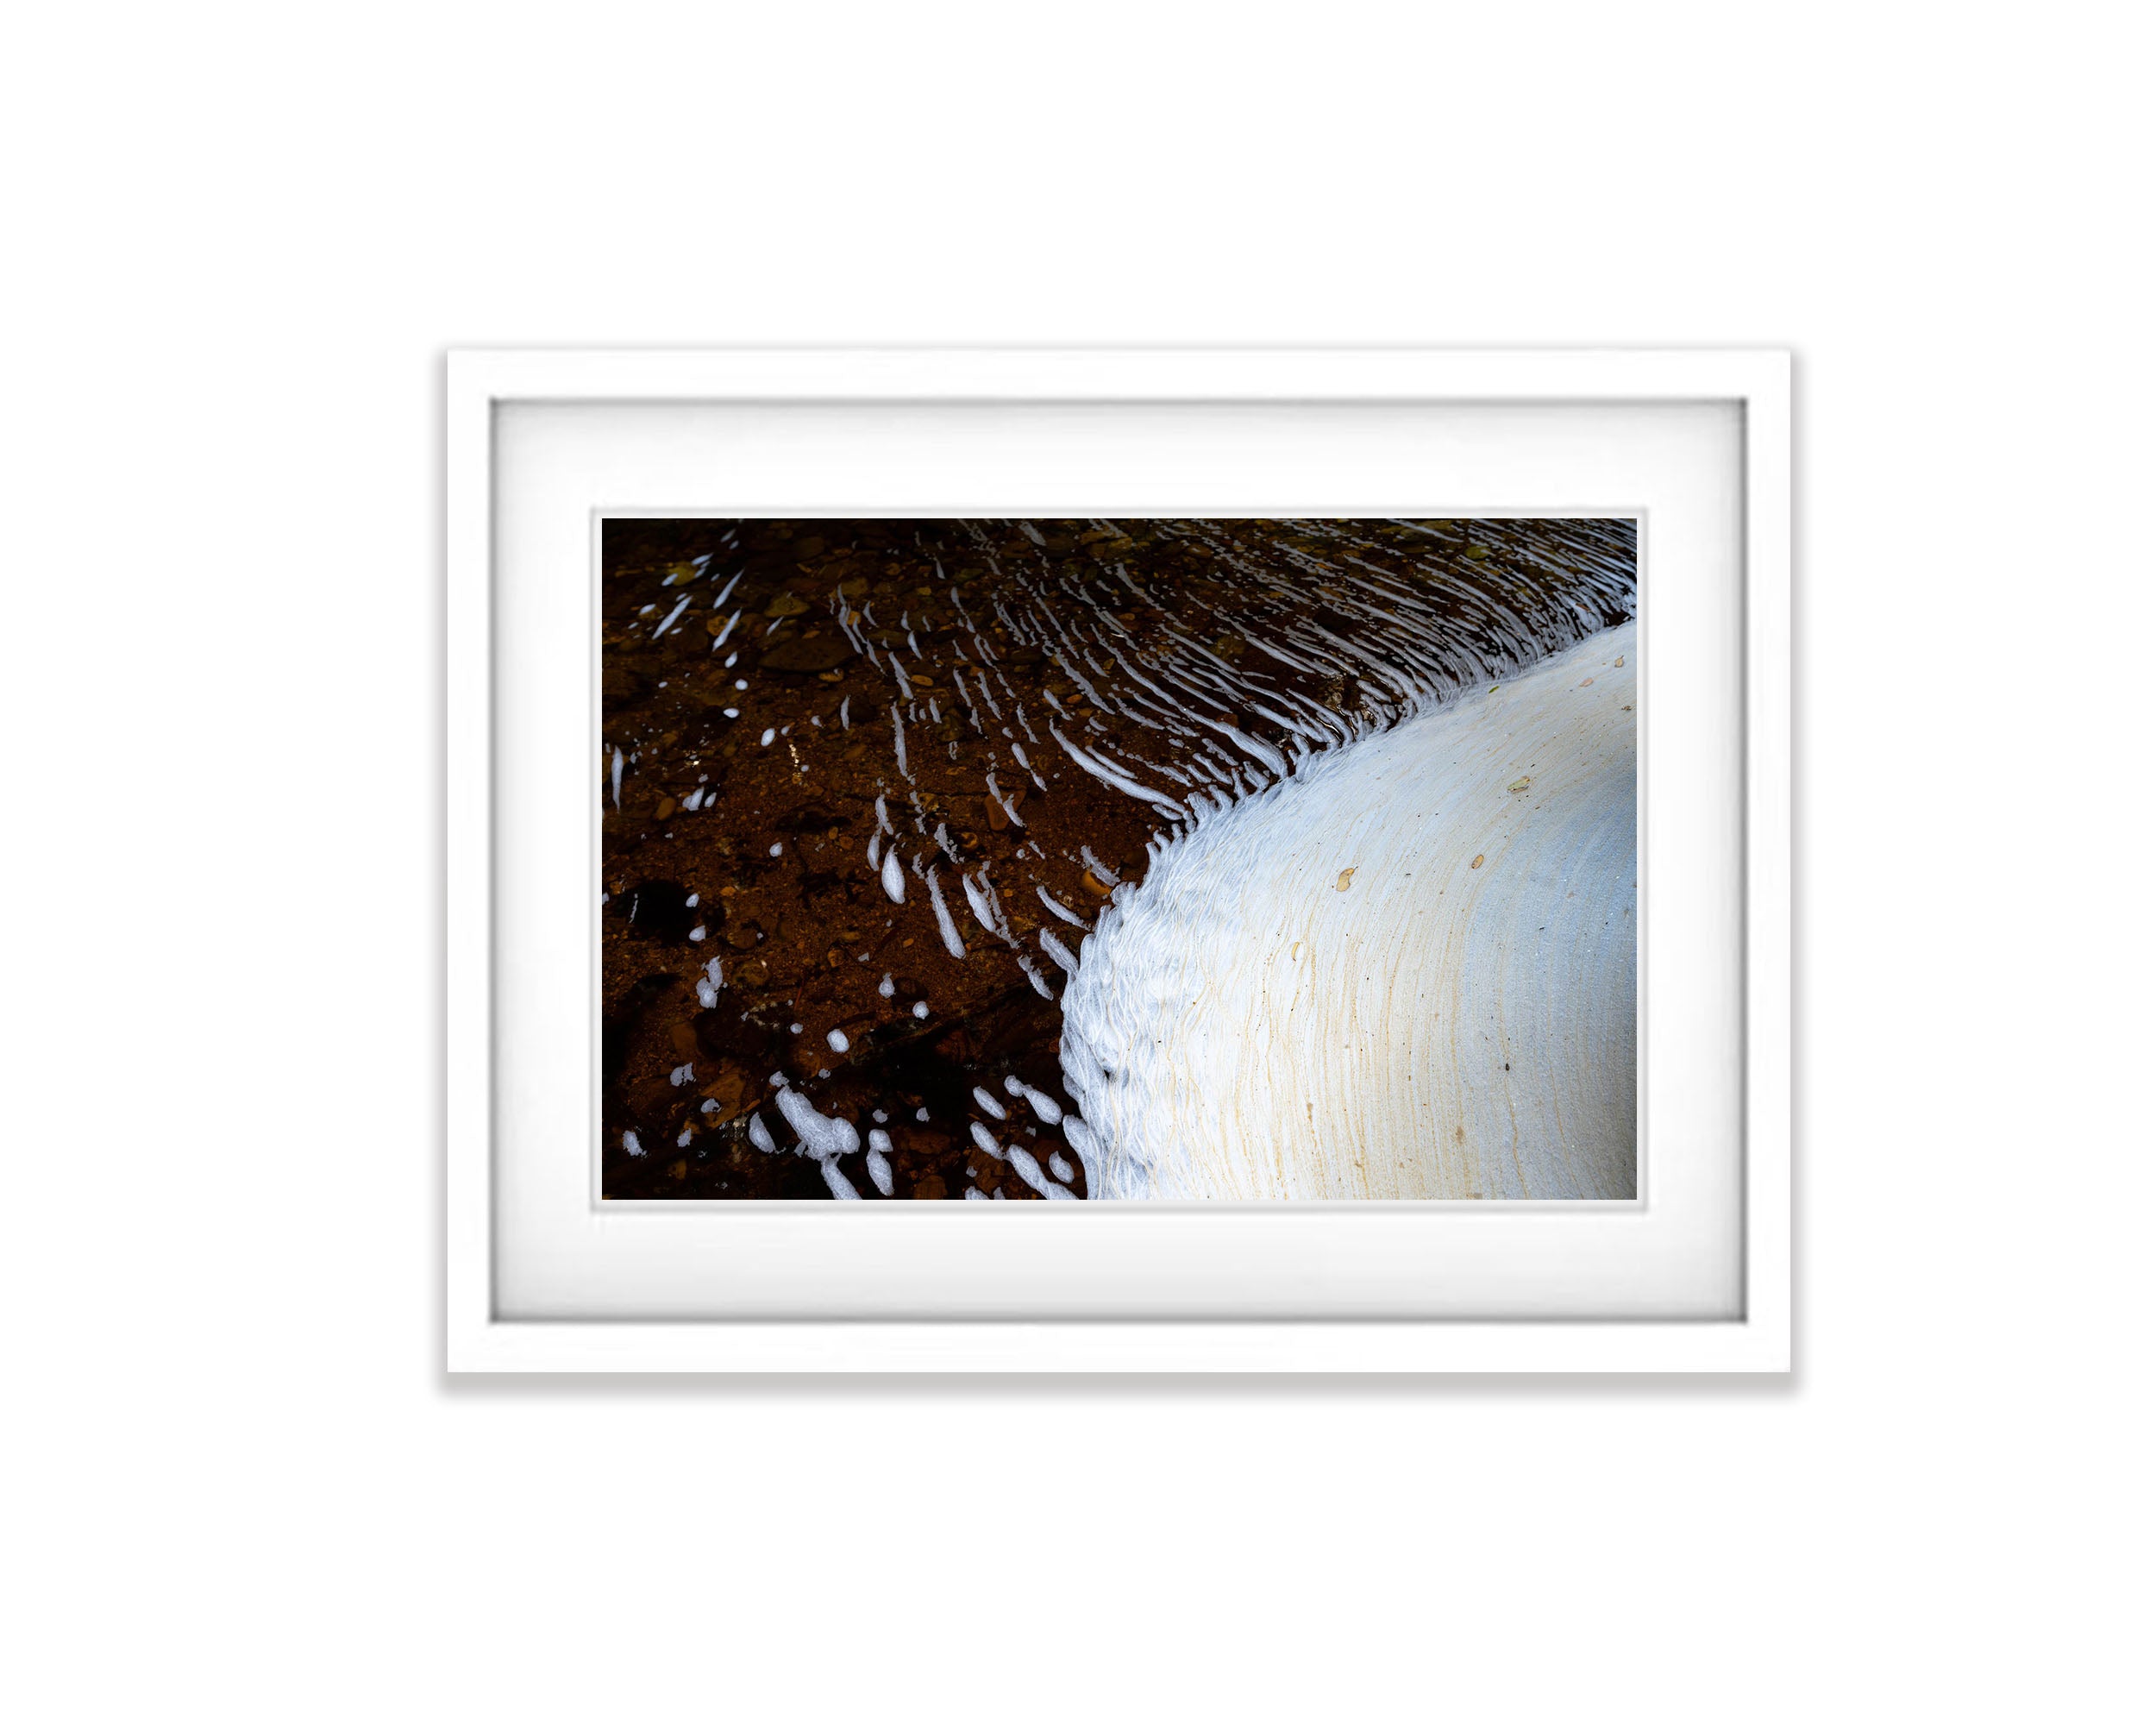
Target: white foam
{"points": [[837, 1040], [1046, 1107], [821, 1135], [1320, 993], [895, 878], [760, 1135], [1030, 1171], [944, 926], [979, 900], [840, 1185], [673, 616], [989, 1103], [1069, 916]]}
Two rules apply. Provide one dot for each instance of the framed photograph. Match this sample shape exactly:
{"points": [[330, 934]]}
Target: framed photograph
{"points": [[1050, 860]]}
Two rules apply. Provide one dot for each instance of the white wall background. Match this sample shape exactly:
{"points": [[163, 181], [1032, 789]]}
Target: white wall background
{"points": [[239, 1486]]}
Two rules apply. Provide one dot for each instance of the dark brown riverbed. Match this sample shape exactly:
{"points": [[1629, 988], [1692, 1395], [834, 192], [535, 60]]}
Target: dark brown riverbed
{"points": [[744, 922]]}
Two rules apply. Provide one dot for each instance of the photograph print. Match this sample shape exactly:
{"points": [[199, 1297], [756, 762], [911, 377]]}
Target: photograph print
{"points": [[1133, 859]]}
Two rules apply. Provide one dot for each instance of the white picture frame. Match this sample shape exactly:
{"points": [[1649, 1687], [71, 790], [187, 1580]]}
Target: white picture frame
{"points": [[543, 1277]]}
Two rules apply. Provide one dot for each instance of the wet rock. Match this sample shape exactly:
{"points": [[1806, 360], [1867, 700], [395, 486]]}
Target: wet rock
{"points": [[808, 655], [732, 1090], [657, 910], [650, 1100], [815, 817], [623, 1023]]}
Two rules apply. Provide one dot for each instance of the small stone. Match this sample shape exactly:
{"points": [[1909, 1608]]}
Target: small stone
{"points": [[665, 808], [1519, 784], [1477, 862], [1098, 887], [809, 653], [728, 1090], [1341, 885], [786, 605]]}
